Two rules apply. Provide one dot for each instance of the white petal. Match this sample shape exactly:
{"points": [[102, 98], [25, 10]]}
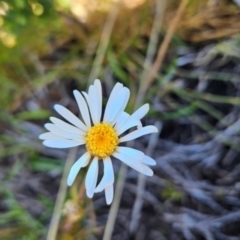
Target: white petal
{"points": [[98, 87], [85, 164], [125, 102], [116, 89], [109, 194], [67, 126], [57, 143], [65, 113], [138, 133], [50, 136], [141, 112], [149, 161], [81, 162], [86, 97], [134, 119], [93, 104], [108, 177], [91, 178], [87, 100], [117, 105], [63, 133], [129, 124], [82, 105], [131, 152], [133, 163], [121, 120]]}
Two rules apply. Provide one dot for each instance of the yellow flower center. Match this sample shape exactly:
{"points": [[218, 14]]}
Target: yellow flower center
{"points": [[101, 140]]}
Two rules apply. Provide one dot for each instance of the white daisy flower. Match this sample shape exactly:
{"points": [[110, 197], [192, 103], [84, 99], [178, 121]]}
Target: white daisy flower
{"points": [[101, 134]]}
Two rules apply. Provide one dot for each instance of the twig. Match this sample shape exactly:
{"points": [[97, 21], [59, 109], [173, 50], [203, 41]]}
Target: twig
{"points": [[53, 228]]}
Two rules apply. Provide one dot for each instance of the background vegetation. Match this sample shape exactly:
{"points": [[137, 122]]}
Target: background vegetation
{"points": [[180, 56]]}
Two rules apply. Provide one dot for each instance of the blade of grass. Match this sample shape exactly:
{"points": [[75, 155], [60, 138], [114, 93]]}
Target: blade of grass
{"points": [[217, 76], [208, 96]]}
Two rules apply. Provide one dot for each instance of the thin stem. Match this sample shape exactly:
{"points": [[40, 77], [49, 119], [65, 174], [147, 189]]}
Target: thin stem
{"points": [[53, 228], [136, 212], [115, 205], [162, 52], [123, 171], [152, 46], [103, 44]]}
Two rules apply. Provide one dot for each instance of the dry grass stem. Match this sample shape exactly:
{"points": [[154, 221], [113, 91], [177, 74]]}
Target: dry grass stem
{"points": [[103, 44], [53, 228], [136, 212], [115, 205], [123, 171], [162, 51], [152, 46]]}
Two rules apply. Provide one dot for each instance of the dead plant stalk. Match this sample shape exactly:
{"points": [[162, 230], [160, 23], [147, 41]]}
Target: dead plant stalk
{"points": [[162, 52]]}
